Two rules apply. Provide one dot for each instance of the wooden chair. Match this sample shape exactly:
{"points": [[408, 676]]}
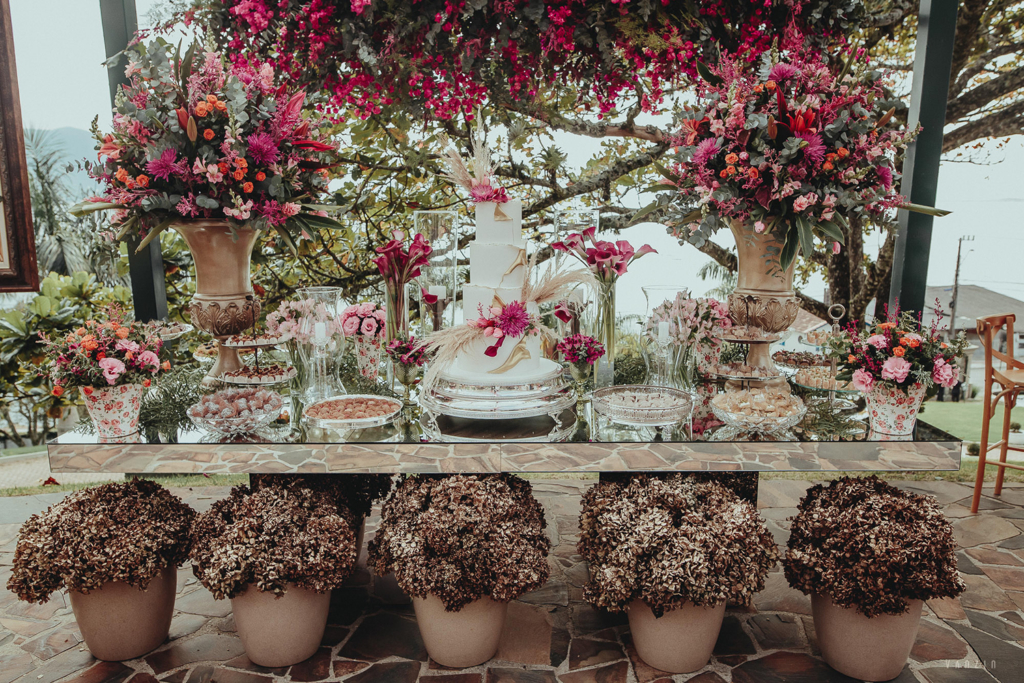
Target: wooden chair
{"points": [[1011, 384]]}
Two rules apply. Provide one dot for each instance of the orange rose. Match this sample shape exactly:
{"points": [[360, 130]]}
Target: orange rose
{"points": [[843, 152], [221, 106], [87, 391], [898, 351], [851, 359], [80, 331], [247, 187], [121, 175], [240, 162], [222, 167], [143, 181], [731, 158], [146, 383], [753, 172], [238, 175], [122, 332], [730, 169], [208, 134], [758, 88], [261, 176], [770, 85], [58, 391], [722, 173], [202, 110], [90, 345], [827, 166], [166, 365], [212, 99]]}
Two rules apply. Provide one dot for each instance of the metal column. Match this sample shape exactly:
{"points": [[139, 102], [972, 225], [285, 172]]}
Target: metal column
{"points": [[149, 291], [933, 59]]}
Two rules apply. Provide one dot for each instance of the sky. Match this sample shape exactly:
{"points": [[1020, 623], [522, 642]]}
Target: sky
{"points": [[59, 53]]}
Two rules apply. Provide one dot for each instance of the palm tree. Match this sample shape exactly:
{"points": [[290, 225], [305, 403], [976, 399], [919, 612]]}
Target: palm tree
{"points": [[726, 279]]}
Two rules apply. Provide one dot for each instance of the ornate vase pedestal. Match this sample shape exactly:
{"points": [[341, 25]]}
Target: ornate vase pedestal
{"points": [[224, 303]]}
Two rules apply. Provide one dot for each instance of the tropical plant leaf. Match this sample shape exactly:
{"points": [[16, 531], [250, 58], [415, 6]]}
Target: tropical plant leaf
{"points": [[803, 229], [704, 72], [789, 250], [832, 231], [930, 210], [84, 208], [154, 233]]}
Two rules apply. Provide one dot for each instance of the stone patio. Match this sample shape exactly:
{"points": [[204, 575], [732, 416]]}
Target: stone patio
{"points": [[551, 634]]}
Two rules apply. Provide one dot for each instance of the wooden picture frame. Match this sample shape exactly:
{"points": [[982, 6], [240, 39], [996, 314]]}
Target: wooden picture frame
{"points": [[18, 270]]}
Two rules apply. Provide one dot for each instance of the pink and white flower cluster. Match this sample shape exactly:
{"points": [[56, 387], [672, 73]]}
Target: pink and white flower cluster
{"points": [[691, 321], [363, 320], [501, 322], [579, 349], [295, 319], [897, 352]]}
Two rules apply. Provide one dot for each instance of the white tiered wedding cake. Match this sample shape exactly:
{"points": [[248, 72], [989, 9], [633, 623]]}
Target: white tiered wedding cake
{"points": [[497, 272]]}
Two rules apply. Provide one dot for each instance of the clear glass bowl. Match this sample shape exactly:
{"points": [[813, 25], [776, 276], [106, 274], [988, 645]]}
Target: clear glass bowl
{"points": [[238, 425], [754, 423], [674, 406]]}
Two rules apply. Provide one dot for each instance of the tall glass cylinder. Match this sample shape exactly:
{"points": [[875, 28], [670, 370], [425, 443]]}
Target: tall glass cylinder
{"points": [[396, 309], [568, 221], [604, 332], [323, 359], [440, 277]]}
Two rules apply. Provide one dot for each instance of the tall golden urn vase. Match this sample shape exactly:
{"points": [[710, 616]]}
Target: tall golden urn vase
{"points": [[224, 303]]}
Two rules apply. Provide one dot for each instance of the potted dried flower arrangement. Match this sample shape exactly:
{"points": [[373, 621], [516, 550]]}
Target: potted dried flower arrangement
{"points": [[276, 553], [354, 493], [672, 551], [463, 546], [869, 554], [115, 548]]}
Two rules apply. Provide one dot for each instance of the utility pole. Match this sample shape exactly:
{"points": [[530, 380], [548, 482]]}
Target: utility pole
{"points": [[956, 283]]}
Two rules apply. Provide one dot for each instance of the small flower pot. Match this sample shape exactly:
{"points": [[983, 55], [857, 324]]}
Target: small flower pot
{"points": [[280, 631], [120, 622], [464, 638], [865, 648], [681, 641], [115, 411]]}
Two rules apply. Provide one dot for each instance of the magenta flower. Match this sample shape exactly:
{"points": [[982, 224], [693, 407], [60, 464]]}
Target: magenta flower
{"points": [[262, 149], [896, 369], [513, 319], [167, 164], [863, 381], [706, 150], [944, 374], [607, 260]]}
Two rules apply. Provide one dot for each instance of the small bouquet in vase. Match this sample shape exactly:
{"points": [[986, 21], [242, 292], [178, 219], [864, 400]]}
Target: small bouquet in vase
{"points": [[694, 327], [365, 324], [407, 357]]}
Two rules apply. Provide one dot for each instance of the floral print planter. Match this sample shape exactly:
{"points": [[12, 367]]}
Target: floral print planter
{"points": [[115, 411], [894, 413], [368, 355]]}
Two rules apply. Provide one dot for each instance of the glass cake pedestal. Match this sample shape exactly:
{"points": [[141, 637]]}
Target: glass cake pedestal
{"points": [[539, 408]]}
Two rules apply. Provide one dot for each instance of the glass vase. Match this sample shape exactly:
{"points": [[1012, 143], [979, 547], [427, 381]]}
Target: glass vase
{"points": [[580, 373], [440, 276], [396, 320], [604, 332]]}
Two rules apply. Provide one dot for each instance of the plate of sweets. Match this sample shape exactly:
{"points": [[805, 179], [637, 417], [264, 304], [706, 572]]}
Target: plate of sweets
{"points": [[272, 373], [797, 360], [352, 411], [170, 330], [236, 410], [256, 341], [748, 334], [759, 410]]}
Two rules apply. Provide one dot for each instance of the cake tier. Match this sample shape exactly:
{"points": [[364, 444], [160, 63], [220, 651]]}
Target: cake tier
{"points": [[475, 297], [491, 231], [497, 265], [476, 362]]}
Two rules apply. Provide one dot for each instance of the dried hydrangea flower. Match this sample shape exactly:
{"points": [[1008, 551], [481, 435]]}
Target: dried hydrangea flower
{"points": [[270, 538], [670, 540], [462, 538], [356, 492], [871, 546], [124, 531]]}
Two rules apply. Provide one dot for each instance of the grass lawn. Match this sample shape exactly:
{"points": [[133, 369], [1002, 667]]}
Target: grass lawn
{"points": [[21, 451], [168, 480], [964, 419]]}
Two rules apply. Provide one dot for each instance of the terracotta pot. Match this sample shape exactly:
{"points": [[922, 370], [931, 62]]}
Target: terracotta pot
{"points": [[868, 649], [764, 295], [681, 641], [464, 638], [281, 631], [114, 411], [120, 622], [893, 413], [224, 303]]}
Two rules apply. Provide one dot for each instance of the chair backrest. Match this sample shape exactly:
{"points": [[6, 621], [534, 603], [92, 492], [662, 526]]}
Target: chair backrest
{"points": [[988, 330]]}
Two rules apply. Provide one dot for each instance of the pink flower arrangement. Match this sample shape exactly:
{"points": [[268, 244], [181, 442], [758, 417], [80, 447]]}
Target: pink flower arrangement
{"points": [[196, 137], [692, 321], [607, 260], [295, 320], [109, 353], [579, 349], [897, 352], [792, 147], [399, 265], [407, 351], [500, 322], [363, 320]]}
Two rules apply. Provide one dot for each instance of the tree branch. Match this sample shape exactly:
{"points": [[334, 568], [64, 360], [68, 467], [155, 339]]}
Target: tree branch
{"points": [[1007, 121]]}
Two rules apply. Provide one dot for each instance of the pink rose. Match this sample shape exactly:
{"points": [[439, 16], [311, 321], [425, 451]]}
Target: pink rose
{"points": [[944, 374], [149, 358], [896, 369], [112, 369], [366, 309], [863, 381], [369, 327], [350, 326], [380, 315], [878, 341], [350, 311]]}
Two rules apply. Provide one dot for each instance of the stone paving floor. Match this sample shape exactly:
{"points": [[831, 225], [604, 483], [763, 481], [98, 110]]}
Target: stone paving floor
{"points": [[551, 635], [32, 469]]}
